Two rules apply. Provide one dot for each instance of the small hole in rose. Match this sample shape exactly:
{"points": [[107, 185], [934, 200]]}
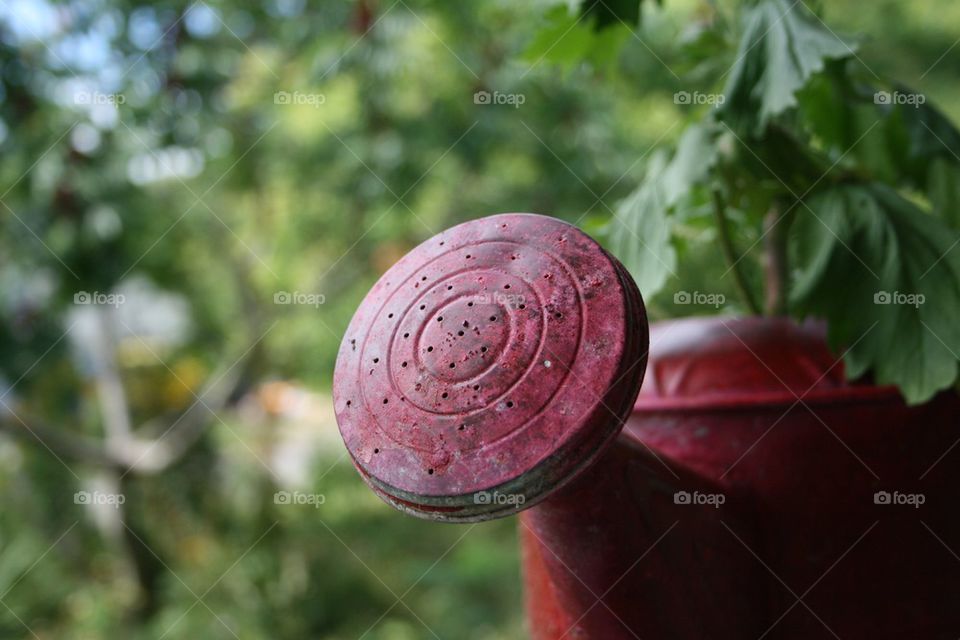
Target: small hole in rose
{"points": [[468, 256], [509, 404], [376, 360], [483, 349], [424, 278], [523, 306], [558, 315], [349, 403], [422, 307], [444, 395], [449, 287], [453, 365], [406, 335], [466, 323], [476, 387], [441, 243], [493, 318], [429, 349], [459, 333], [389, 315], [506, 286], [462, 427], [385, 401], [430, 472], [439, 318], [403, 364], [469, 304], [376, 450]]}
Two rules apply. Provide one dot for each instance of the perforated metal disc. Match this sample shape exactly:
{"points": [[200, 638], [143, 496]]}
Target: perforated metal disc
{"points": [[488, 366]]}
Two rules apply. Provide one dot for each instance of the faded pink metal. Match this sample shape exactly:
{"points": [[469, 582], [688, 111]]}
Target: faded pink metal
{"points": [[744, 498], [488, 366]]}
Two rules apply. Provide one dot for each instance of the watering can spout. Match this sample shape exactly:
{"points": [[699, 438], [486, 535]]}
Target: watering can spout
{"points": [[607, 557]]}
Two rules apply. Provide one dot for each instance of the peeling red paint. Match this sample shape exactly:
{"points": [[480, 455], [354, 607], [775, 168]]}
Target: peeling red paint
{"points": [[513, 365]]}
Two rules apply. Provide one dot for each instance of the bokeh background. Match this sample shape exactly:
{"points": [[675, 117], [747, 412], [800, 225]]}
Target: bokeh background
{"points": [[195, 197]]}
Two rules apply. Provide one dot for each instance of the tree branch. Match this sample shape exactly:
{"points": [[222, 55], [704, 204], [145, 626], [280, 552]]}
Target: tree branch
{"points": [[133, 454]]}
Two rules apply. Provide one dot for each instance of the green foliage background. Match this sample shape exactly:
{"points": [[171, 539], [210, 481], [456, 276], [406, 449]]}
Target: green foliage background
{"points": [[201, 184]]}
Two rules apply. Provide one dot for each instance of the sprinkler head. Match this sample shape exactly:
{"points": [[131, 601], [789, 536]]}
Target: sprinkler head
{"points": [[489, 366]]}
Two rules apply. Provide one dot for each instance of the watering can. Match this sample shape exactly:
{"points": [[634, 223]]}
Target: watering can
{"points": [[746, 489]]}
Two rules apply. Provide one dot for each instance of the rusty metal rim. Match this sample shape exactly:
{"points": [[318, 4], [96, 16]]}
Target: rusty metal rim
{"points": [[554, 472], [733, 401]]}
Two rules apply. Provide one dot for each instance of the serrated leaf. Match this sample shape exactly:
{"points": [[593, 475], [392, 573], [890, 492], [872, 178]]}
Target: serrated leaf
{"points": [[640, 232], [888, 283], [782, 46], [894, 136]]}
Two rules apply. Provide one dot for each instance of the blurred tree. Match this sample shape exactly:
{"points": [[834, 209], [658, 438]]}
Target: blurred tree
{"points": [[194, 197]]}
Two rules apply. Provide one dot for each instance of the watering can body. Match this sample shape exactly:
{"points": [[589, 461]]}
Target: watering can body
{"points": [[755, 493], [750, 491]]}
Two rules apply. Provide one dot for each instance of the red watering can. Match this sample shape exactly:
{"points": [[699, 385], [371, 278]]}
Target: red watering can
{"points": [[750, 491]]}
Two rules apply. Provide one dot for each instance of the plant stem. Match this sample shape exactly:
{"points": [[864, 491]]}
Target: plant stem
{"points": [[775, 262], [719, 209]]}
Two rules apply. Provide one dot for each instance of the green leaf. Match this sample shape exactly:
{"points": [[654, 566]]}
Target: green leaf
{"points": [[567, 40], [816, 242], [926, 150], [886, 276], [640, 231], [562, 40], [893, 136], [696, 154], [782, 47], [943, 189], [611, 12], [931, 132]]}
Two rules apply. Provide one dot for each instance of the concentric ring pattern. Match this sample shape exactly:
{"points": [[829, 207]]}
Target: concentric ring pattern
{"points": [[495, 357]]}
